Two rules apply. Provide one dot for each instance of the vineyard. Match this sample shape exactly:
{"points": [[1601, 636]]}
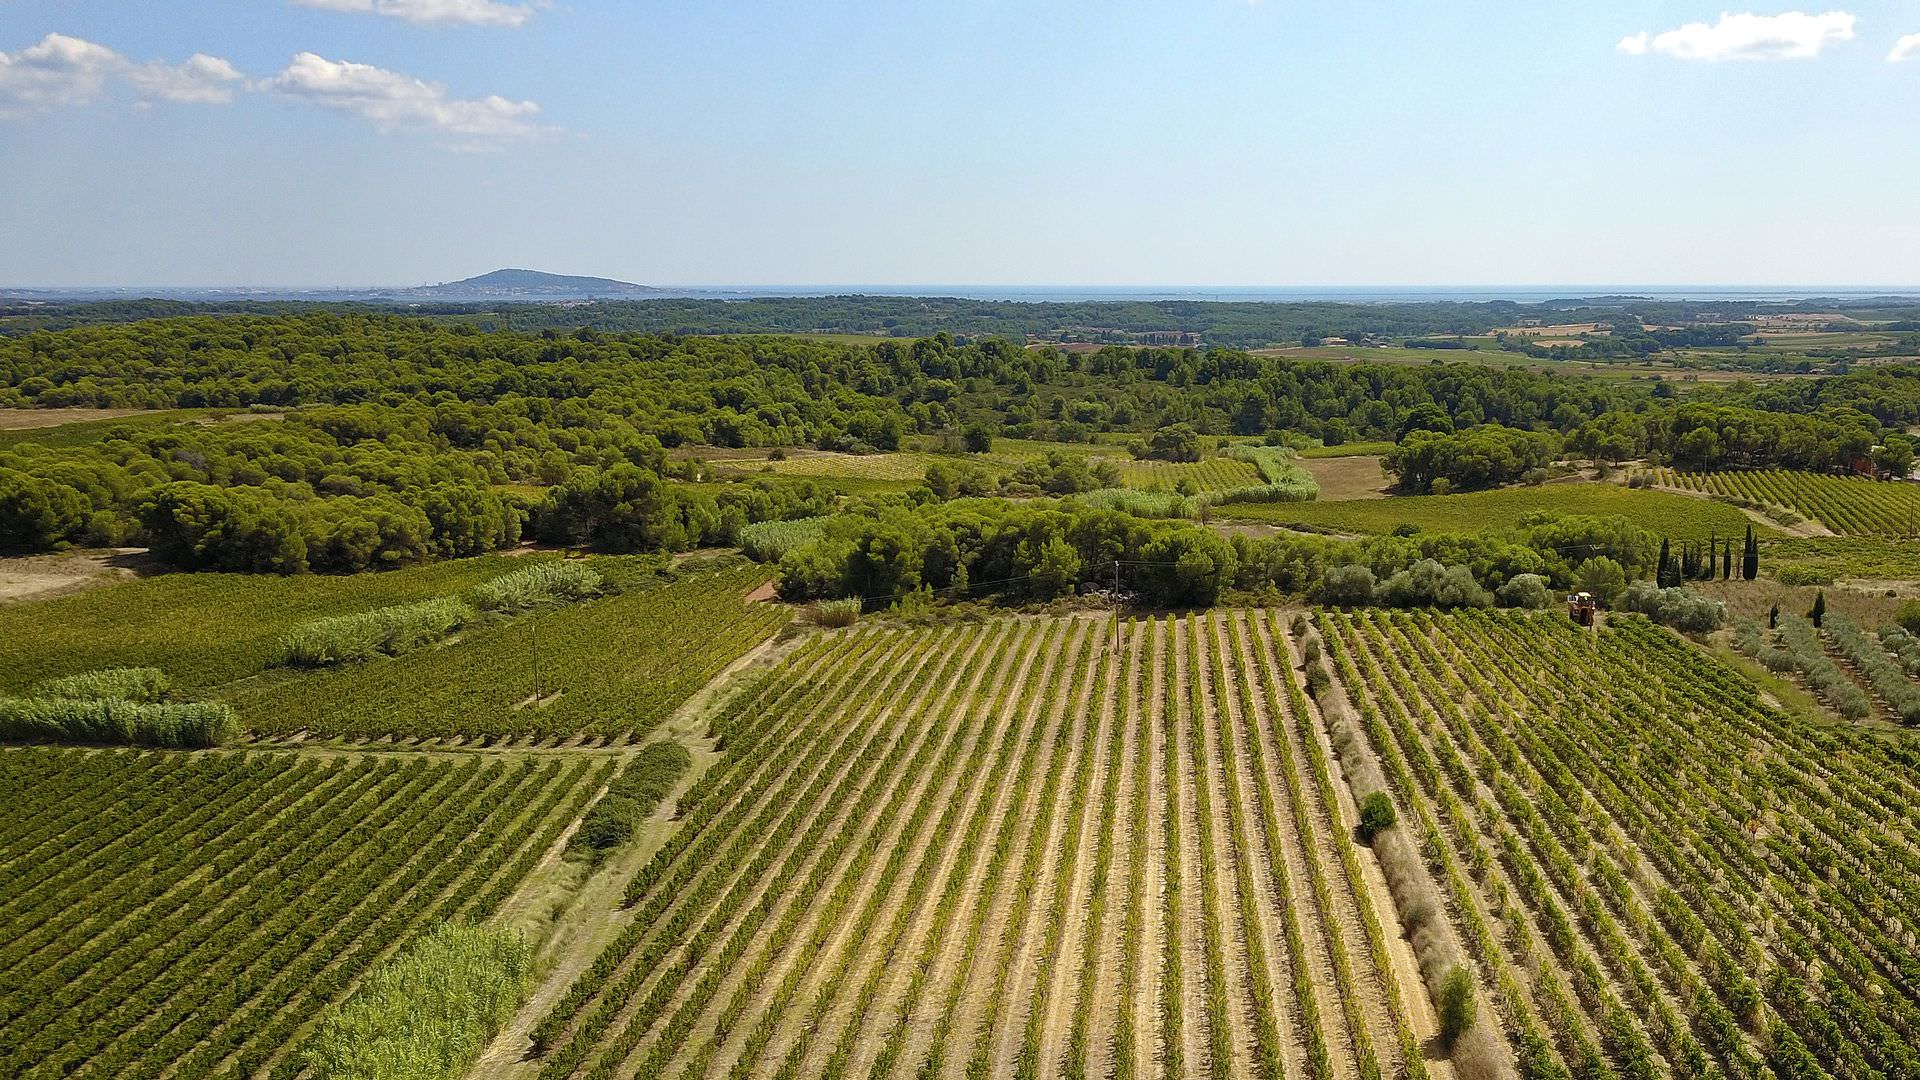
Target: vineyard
{"points": [[610, 669], [1848, 505], [1211, 474], [172, 915], [1023, 847], [1654, 872], [1680, 517]]}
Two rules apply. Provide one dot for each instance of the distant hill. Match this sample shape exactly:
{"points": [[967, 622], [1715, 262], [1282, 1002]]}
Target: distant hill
{"points": [[529, 285]]}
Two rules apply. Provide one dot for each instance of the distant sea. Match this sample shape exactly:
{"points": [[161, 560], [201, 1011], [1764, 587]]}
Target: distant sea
{"points": [[1340, 294]]}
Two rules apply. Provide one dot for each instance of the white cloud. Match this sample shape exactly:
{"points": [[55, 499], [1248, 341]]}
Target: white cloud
{"points": [[1794, 35], [441, 12], [396, 103], [63, 70], [1907, 48]]}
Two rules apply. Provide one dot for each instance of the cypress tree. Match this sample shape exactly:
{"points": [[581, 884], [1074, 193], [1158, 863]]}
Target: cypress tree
{"points": [[1662, 574], [1819, 611], [1773, 618], [1750, 559], [1726, 568]]}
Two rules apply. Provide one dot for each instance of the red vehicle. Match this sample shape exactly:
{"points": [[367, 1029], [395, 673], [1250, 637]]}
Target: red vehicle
{"points": [[1581, 608]]}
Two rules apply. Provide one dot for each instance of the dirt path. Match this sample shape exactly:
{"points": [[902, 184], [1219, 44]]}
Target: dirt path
{"points": [[602, 917], [838, 810], [1325, 828], [43, 577], [574, 914]]}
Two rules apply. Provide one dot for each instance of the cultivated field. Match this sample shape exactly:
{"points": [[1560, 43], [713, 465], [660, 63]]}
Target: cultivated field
{"points": [[1010, 849], [1211, 474], [171, 915], [608, 669], [1654, 871], [1676, 516], [1850, 506]]}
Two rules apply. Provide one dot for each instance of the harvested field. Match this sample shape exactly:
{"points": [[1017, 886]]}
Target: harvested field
{"points": [[1022, 848]]}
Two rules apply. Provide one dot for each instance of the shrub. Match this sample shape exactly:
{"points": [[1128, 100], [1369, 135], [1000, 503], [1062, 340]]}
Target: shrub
{"points": [[1457, 1006], [1803, 575], [536, 585], [1603, 577], [631, 798], [180, 726], [1429, 584], [1907, 616], [1676, 607], [389, 631], [112, 684], [426, 1014], [1376, 815], [1346, 586], [1524, 591], [1318, 681]]}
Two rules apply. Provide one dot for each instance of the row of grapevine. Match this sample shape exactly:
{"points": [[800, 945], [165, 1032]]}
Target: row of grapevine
{"points": [[610, 668], [190, 916], [1849, 505], [1211, 474], [1036, 846], [1697, 883]]}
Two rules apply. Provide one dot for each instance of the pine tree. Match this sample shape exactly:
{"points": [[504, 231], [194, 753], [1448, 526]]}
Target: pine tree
{"points": [[1750, 559]]}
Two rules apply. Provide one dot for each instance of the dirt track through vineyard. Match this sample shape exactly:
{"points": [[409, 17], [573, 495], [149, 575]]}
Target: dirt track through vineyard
{"points": [[973, 872]]}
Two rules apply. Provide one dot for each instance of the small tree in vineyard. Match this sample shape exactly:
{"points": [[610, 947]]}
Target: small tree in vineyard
{"points": [[1376, 815], [1457, 1005]]}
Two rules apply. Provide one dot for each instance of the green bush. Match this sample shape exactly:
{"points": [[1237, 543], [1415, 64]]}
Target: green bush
{"points": [[180, 726], [112, 684], [426, 1014], [1457, 1006], [631, 798], [1376, 815], [388, 630], [537, 585]]}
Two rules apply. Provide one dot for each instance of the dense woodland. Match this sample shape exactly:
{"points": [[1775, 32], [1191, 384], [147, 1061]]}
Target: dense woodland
{"points": [[404, 439]]}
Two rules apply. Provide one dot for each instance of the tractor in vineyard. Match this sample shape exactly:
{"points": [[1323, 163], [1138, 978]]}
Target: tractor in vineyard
{"points": [[1581, 608]]}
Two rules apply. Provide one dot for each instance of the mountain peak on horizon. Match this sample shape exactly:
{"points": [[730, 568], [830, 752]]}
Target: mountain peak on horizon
{"points": [[513, 278]]}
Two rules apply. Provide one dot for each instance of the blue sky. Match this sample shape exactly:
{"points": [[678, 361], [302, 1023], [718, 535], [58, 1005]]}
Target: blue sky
{"points": [[1097, 142]]}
